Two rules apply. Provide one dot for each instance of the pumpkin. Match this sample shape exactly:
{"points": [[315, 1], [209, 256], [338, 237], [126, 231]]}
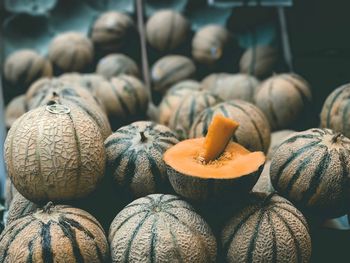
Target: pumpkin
{"points": [[311, 170], [264, 185], [210, 81], [54, 234], [268, 229], [233, 86], [55, 152], [335, 114], [166, 30], [134, 157], [15, 109], [70, 94], [283, 98], [277, 138], [208, 44], [161, 228], [20, 206], [253, 132], [169, 70], [173, 97], [25, 66], [125, 98], [114, 65], [259, 61], [185, 114], [213, 168], [71, 51], [111, 31]]}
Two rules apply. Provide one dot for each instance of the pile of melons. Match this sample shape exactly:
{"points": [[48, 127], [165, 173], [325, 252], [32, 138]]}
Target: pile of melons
{"points": [[213, 176]]}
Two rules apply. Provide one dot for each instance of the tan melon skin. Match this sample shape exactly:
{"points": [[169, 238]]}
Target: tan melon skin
{"points": [[312, 172], [166, 30], [267, 230], [26, 65], [277, 138], [208, 44], [258, 61], [51, 236], [110, 31], [10, 192], [20, 206], [264, 185], [179, 234], [15, 109], [55, 156], [114, 65], [212, 189], [283, 98], [71, 51]]}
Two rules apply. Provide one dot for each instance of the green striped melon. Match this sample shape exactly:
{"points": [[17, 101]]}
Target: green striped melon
{"points": [[126, 98], [25, 66], [71, 51], [259, 61], [277, 138], [20, 206], [55, 152], [161, 228], [169, 70], [166, 30], [311, 170], [111, 31], [208, 44], [284, 99], [135, 157], [233, 86], [253, 131], [268, 229], [173, 97], [54, 234], [114, 65], [191, 106], [335, 112], [15, 109]]}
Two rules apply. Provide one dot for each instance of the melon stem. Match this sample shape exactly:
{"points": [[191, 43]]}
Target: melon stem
{"points": [[143, 137], [219, 135], [336, 137], [47, 208]]}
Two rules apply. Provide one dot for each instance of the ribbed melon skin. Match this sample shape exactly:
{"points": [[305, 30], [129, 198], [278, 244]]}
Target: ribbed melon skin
{"points": [[312, 171], [277, 138], [268, 229], [65, 234], [137, 166], [335, 112], [284, 99], [187, 111], [15, 109], [173, 97], [161, 228], [116, 64], [169, 70], [20, 206], [253, 131], [52, 156]]}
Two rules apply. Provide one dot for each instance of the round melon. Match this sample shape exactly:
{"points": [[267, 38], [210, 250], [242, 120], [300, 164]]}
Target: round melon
{"points": [[169, 70], [25, 66], [71, 51], [125, 98], [20, 206], [208, 44], [233, 86], [253, 131], [167, 30], [134, 157], [268, 229], [161, 228], [277, 138], [311, 170], [15, 109], [111, 31], [259, 61], [284, 99], [191, 106], [54, 234], [335, 114], [55, 152], [173, 97], [210, 81], [114, 65]]}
